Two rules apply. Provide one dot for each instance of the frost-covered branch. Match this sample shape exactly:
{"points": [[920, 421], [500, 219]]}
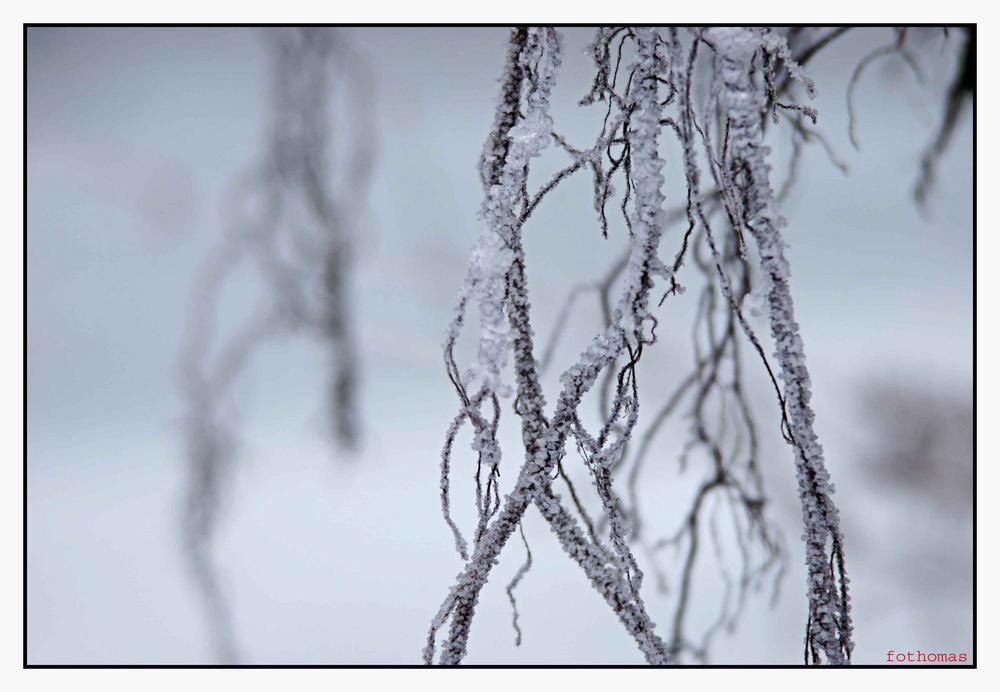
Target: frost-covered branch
{"points": [[750, 77], [545, 439], [829, 626]]}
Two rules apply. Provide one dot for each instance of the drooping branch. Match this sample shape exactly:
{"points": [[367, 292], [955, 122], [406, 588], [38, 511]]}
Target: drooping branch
{"points": [[545, 439], [961, 91], [829, 625], [294, 218], [661, 74]]}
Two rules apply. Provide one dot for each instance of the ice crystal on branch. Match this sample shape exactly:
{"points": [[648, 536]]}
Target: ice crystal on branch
{"points": [[829, 627], [750, 82]]}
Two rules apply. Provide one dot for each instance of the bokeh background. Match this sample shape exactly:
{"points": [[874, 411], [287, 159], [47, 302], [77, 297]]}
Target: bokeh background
{"points": [[135, 137]]}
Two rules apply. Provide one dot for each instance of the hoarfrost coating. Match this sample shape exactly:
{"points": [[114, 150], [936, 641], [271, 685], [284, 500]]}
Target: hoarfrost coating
{"points": [[829, 626], [496, 282]]}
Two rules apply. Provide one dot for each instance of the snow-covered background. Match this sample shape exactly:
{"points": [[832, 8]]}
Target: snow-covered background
{"points": [[134, 138]]}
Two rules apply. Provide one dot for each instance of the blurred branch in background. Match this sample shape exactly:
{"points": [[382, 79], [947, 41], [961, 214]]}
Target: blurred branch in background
{"points": [[920, 438], [917, 451], [960, 91], [294, 222]]}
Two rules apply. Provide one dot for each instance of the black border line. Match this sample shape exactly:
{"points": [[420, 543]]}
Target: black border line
{"points": [[24, 564]]}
